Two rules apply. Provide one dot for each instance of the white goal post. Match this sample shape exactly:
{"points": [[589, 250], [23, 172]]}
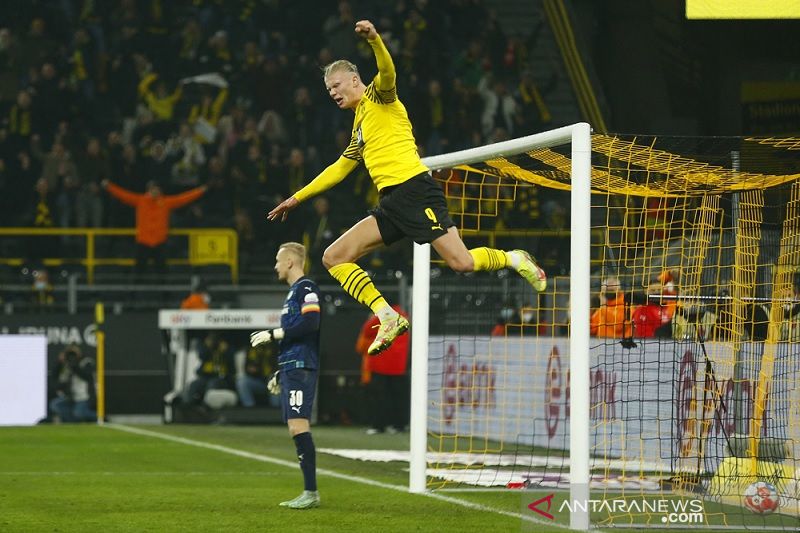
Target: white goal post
{"points": [[578, 136]]}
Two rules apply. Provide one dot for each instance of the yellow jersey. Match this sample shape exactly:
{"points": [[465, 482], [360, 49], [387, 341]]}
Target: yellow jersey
{"points": [[381, 136]]}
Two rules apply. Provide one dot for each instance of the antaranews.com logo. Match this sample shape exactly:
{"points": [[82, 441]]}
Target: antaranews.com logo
{"points": [[672, 511]]}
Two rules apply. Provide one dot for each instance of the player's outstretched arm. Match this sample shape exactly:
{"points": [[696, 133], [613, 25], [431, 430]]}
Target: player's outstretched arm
{"points": [[329, 177], [387, 75]]}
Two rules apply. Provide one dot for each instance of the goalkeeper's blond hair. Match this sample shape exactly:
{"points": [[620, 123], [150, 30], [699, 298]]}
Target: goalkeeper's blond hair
{"points": [[297, 250]]}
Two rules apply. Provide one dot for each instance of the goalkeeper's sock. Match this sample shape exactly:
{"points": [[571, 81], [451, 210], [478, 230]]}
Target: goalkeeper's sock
{"points": [[492, 259], [357, 284], [307, 455]]}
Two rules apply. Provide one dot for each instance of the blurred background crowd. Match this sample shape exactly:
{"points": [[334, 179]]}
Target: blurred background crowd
{"points": [[229, 94]]}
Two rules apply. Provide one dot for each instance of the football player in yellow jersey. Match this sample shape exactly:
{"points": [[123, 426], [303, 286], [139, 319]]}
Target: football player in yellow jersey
{"points": [[412, 203]]}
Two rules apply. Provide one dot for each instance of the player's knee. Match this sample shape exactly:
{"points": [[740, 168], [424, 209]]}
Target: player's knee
{"points": [[334, 256], [298, 425], [462, 264], [329, 258]]}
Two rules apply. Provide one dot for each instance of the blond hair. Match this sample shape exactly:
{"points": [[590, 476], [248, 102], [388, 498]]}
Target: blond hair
{"points": [[340, 65], [296, 249]]}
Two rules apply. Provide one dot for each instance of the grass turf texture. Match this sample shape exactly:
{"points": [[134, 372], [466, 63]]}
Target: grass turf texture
{"points": [[89, 478]]}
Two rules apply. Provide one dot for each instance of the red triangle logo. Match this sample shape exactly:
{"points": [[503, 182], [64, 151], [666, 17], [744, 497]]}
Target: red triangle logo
{"points": [[535, 506]]}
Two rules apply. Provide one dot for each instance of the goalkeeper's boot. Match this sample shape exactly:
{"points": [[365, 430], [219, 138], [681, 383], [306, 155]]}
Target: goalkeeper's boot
{"points": [[387, 333], [307, 500], [529, 270]]}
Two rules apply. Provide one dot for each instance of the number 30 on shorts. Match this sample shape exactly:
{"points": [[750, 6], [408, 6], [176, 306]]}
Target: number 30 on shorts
{"points": [[295, 398]]}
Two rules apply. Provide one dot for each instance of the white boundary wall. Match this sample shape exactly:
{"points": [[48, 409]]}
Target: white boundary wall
{"points": [[23, 379], [646, 402]]}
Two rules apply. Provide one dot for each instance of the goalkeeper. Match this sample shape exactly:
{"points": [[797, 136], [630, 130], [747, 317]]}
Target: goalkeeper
{"points": [[296, 378], [411, 203]]}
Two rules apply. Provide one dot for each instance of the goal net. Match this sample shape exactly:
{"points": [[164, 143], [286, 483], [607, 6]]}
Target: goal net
{"points": [[657, 378]]}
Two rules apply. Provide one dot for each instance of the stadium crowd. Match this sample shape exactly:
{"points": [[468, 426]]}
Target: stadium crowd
{"points": [[229, 95]]}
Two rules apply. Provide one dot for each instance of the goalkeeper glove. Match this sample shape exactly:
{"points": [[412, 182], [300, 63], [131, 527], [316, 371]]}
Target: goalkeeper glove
{"points": [[273, 386], [268, 335]]}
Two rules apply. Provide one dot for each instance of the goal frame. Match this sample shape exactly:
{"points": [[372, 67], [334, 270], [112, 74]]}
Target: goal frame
{"points": [[579, 137]]}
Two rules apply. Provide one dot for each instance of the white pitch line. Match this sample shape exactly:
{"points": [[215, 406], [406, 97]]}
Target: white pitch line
{"points": [[158, 474], [326, 472]]}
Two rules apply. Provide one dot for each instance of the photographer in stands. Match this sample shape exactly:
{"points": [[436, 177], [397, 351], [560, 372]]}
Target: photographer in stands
{"points": [[75, 387]]}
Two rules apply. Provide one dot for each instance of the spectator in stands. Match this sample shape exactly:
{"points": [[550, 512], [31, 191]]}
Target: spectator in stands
{"points": [[189, 157], [20, 120], [61, 174], [534, 115], [160, 102], [158, 166], [388, 385], [319, 232], [499, 107], [518, 322], [217, 206], [74, 387], [469, 65], [668, 281], [694, 319], [42, 290], [611, 318], [430, 117], [338, 30], [302, 119], [652, 318], [757, 325], [651, 315], [17, 177], [42, 214], [465, 110], [199, 299], [152, 220], [216, 370], [205, 115], [93, 167], [251, 381], [508, 317]]}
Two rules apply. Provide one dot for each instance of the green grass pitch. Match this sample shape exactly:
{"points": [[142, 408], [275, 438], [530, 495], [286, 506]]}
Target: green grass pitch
{"points": [[223, 478]]}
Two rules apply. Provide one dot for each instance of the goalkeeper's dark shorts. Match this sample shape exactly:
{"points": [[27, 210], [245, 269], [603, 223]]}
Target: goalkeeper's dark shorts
{"points": [[298, 387], [416, 209]]}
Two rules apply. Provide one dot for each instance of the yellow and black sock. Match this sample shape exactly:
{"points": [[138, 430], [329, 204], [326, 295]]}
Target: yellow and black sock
{"points": [[490, 259], [357, 284]]}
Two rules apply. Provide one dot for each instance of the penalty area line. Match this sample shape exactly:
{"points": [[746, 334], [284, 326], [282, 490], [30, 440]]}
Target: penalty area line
{"points": [[324, 472]]}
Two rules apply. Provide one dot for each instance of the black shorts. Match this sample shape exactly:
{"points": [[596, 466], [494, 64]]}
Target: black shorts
{"points": [[416, 209], [298, 387]]}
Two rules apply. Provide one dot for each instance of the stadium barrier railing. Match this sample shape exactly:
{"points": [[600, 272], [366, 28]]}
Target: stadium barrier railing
{"points": [[206, 246]]}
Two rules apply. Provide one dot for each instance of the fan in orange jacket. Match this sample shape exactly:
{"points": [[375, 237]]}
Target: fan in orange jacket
{"points": [[152, 218], [611, 318], [153, 209]]}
